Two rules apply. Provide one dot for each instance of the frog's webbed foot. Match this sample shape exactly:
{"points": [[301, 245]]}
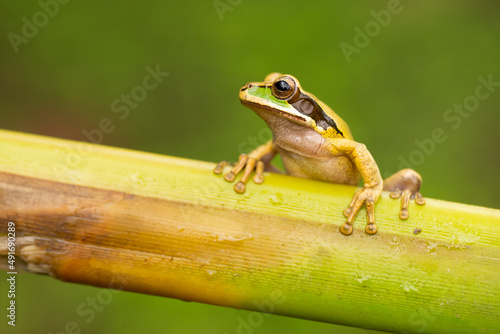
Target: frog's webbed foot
{"points": [[366, 196], [256, 160], [405, 184], [248, 165], [406, 195]]}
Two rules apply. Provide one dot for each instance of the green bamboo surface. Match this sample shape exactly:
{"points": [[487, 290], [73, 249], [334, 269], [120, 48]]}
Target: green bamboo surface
{"points": [[276, 248]]}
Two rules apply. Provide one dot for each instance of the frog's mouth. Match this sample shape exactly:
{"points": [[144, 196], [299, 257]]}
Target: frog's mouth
{"points": [[282, 108], [253, 106]]}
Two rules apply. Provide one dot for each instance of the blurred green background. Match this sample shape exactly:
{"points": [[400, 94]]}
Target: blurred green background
{"points": [[395, 90]]}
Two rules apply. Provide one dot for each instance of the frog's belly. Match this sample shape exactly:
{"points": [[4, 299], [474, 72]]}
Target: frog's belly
{"points": [[334, 169]]}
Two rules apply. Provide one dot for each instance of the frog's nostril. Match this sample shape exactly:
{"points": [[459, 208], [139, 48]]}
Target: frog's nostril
{"points": [[250, 86]]}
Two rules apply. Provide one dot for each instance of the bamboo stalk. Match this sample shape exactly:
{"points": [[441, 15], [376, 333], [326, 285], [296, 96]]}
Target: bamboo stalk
{"points": [[167, 226]]}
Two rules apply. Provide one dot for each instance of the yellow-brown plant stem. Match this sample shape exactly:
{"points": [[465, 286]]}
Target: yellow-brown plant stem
{"points": [[167, 226]]}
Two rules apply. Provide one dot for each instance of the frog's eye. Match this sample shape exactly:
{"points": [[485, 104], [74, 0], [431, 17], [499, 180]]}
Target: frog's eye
{"points": [[283, 87]]}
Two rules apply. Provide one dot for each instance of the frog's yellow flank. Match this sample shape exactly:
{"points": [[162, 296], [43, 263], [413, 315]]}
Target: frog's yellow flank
{"points": [[314, 142]]}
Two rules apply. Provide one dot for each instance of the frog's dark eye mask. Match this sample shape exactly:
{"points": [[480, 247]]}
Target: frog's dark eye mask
{"points": [[285, 88], [309, 107]]}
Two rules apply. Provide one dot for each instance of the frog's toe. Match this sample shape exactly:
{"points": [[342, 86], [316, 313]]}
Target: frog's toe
{"points": [[367, 197], [246, 163], [405, 201], [370, 228], [419, 199], [347, 211], [242, 160], [239, 187], [259, 173], [395, 194], [220, 167], [259, 179], [406, 195], [229, 177], [346, 229], [405, 184]]}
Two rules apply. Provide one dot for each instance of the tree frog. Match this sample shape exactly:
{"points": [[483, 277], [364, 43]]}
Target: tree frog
{"points": [[315, 143]]}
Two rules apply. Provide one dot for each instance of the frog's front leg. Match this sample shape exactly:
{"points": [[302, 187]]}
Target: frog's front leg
{"points": [[259, 159], [405, 184], [369, 194]]}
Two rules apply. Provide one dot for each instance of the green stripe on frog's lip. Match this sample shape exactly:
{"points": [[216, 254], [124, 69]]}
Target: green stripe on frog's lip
{"points": [[312, 111], [263, 92]]}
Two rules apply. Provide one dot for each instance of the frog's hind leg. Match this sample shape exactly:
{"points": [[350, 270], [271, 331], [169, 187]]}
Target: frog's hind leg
{"points": [[405, 184]]}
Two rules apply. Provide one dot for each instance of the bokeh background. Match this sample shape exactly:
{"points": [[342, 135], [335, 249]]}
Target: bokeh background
{"points": [[393, 91]]}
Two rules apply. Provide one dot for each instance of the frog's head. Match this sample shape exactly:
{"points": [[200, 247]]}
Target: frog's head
{"points": [[280, 96]]}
